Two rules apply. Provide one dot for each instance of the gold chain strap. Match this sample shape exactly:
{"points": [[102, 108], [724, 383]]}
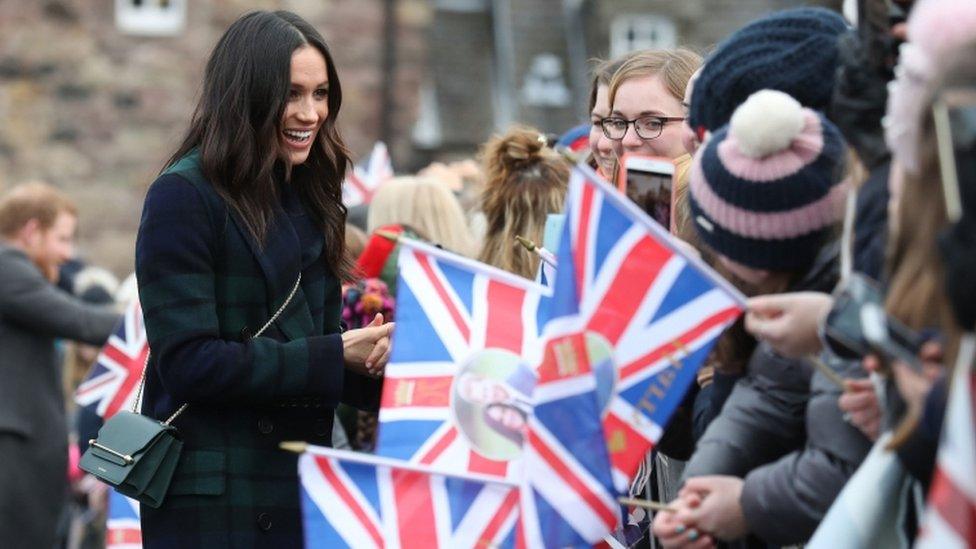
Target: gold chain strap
{"points": [[142, 380]]}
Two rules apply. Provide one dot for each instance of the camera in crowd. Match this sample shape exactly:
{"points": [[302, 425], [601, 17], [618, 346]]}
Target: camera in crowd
{"points": [[858, 325]]}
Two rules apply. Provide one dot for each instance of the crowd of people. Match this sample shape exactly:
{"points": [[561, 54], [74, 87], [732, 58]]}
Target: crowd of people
{"points": [[807, 167]]}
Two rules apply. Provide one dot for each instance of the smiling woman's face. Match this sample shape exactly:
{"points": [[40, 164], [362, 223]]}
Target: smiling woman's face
{"points": [[600, 146], [643, 96], [307, 106]]}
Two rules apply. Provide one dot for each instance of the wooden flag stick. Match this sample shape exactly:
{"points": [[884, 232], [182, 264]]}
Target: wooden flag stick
{"points": [[828, 372], [389, 235], [646, 504], [296, 446]]}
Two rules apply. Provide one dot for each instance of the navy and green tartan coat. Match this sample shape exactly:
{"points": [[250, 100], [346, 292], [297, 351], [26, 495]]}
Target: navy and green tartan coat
{"points": [[206, 286]]}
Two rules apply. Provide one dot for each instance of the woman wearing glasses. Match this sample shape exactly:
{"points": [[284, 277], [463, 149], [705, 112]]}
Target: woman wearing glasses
{"points": [[646, 96], [646, 111]]}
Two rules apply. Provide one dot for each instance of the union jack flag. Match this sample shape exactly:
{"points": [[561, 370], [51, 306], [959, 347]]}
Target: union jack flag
{"points": [[645, 307], [122, 529], [113, 380], [357, 500], [362, 182], [568, 497], [459, 382]]}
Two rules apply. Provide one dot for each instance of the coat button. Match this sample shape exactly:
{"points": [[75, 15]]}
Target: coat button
{"points": [[264, 521], [265, 425], [321, 427]]}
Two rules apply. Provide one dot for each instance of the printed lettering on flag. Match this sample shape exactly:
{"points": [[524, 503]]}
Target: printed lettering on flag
{"points": [[122, 529], [652, 310], [113, 380], [362, 182], [950, 519], [357, 500], [458, 387]]}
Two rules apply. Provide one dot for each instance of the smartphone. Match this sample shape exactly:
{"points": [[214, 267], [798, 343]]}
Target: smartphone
{"points": [[842, 327], [889, 338], [857, 325], [647, 182], [954, 114]]}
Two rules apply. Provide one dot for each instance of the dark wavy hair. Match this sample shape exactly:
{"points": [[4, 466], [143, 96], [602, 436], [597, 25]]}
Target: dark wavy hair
{"points": [[237, 123]]}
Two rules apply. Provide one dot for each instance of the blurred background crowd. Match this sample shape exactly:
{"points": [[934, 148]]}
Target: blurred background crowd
{"points": [[92, 98]]}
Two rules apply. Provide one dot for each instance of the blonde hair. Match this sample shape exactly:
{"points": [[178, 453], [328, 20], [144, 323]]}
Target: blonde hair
{"points": [[33, 200], [674, 66], [603, 71], [525, 180], [916, 292], [425, 205], [916, 283]]}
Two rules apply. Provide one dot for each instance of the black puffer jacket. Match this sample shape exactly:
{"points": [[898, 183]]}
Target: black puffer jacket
{"points": [[781, 431]]}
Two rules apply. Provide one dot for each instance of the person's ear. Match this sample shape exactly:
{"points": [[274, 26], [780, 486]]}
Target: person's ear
{"points": [[30, 233]]}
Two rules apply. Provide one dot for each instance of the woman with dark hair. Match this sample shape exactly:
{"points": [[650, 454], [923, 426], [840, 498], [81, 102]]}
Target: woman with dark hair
{"points": [[239, 257]]}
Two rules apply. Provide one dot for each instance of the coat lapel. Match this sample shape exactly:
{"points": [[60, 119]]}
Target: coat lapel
{"points": [[280, 260]]}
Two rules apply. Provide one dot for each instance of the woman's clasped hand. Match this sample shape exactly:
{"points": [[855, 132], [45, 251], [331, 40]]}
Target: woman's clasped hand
{"points": [[366, 350]]}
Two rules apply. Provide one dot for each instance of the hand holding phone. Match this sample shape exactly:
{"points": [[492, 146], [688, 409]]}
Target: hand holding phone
{"points": [[858, 325]]}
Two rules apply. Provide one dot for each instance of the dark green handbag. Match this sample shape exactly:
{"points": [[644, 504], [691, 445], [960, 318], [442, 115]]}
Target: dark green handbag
{"points": [[138, 455], [135, 454]]}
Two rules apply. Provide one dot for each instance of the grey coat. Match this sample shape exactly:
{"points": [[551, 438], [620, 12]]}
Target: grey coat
{"points": [[33, 430], [782, 431]]}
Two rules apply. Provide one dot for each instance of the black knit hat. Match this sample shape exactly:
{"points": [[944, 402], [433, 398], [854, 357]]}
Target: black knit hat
{"points": [[794, 51]]}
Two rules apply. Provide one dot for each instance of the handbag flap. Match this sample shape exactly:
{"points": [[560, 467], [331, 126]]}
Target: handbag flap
{"points": [[128, 434]]}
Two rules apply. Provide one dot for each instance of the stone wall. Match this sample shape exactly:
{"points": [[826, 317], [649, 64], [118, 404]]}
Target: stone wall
{"points": [[96, 112]]}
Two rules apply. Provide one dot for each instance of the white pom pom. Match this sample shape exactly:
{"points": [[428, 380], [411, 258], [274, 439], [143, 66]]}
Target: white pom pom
{"points": [[766, 123]]}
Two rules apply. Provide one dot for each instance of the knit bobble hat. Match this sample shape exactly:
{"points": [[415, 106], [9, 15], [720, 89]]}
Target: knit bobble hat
{"points": [[794, 51], [766, 189]]}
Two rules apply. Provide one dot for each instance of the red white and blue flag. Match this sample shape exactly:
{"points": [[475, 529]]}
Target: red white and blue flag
{"points": [[122, 530], [457, 390], [646, 308], [112, 382], [568, 498], [362, 182], [577, 139], [357, 500]]}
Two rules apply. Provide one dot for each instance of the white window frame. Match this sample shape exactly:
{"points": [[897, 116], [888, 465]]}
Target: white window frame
{"points": [[151, 18], [641, 31]]}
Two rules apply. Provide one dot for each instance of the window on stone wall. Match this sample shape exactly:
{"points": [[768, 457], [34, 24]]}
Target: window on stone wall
{"points": [[636, 32], [475, 6], [150, 17]]}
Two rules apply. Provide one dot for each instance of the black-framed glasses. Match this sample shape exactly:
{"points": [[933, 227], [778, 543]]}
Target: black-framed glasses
{"points": [[647, 127]]}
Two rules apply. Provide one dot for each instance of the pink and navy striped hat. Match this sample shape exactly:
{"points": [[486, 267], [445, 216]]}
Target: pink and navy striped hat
{"points": [[766, 189]]}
